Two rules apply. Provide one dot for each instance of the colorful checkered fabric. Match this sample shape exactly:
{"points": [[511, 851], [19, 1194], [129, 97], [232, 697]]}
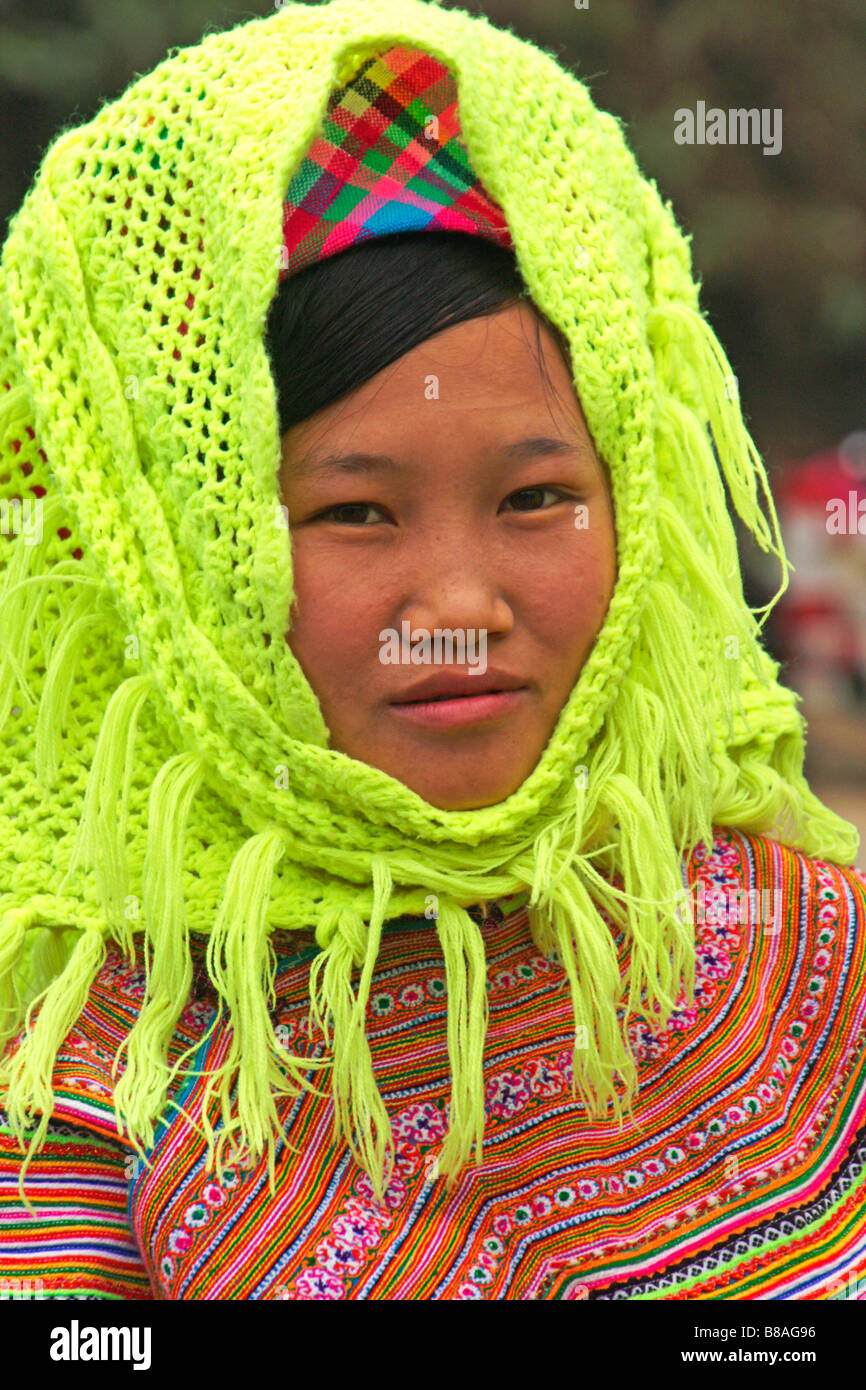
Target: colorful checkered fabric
{"points": [[389, 158]]}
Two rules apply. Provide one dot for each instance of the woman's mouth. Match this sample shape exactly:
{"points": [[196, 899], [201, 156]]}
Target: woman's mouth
{"points": [[449, 712]]}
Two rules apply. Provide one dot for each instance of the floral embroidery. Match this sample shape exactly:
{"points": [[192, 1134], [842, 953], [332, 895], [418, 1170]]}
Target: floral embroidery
{"points": [[412, 994], [319, 1284], [506, 1093], [420, 1124], [179, 1241], [382, 1004], [543, 1080], [358, 1227], [196, 1215]]}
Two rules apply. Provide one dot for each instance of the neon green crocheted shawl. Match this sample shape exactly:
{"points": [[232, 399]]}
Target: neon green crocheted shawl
{"points": [[165, 767]]}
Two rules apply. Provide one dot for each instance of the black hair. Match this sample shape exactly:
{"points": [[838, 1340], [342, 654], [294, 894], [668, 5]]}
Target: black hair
{"points": [[335, 324]]}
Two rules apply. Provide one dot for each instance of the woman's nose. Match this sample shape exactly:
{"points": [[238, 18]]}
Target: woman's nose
{"points": [[459, 591]]}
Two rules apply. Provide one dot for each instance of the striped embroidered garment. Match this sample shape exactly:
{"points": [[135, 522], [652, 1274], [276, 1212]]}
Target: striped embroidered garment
{"points": [[744, 1178]]}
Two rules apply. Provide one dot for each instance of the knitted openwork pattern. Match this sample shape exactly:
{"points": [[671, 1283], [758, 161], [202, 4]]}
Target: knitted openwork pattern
{"points": [[165, 765]]}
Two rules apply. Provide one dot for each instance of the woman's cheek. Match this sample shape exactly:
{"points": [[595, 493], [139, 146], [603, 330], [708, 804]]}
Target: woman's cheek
{"points": [[570, 592], [336, 616]]}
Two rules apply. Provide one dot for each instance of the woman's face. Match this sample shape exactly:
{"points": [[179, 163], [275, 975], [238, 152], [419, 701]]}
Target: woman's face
{"points": [[441, 497]]}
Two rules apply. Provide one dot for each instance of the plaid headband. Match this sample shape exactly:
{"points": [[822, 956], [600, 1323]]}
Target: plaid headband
{"points": [[381, 165]]}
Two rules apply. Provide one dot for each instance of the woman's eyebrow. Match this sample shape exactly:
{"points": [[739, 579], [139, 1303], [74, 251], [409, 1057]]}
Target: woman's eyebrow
{"points": [[518, 452]]}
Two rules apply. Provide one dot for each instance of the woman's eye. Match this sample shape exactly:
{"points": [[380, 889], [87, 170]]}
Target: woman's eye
{"points": [[531, 499], [527, 499], [351, 514]]}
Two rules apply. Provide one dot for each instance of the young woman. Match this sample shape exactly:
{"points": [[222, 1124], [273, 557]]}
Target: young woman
{"points": [[382, 672]]}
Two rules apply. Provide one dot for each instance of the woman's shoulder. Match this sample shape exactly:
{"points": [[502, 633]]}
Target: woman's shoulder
{"points": [[797, 926], [83, 1077], [739, 862]]}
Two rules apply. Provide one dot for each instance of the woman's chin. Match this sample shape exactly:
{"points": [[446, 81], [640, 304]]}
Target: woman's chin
{"points": [[466, 796], [468, 779]]}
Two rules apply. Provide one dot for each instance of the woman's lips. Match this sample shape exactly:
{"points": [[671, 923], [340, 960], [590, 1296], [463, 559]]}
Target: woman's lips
{"points": [[453, 711]]}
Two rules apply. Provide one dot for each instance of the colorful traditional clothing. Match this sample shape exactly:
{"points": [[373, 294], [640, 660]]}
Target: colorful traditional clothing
{"points": [[745, 1176]]}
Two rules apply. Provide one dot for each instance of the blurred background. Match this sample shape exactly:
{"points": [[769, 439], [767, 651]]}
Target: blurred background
{"points": [[778, 239]]}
